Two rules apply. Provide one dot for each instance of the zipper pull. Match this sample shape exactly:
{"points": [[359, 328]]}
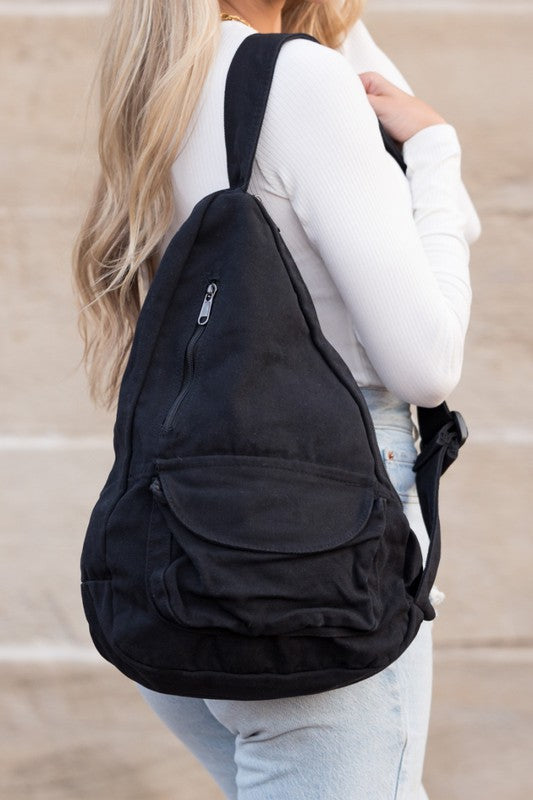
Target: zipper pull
{"points": [[206, 305]]}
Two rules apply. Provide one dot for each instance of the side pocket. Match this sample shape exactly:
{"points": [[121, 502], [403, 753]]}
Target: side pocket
{"points": [[161, 550]]}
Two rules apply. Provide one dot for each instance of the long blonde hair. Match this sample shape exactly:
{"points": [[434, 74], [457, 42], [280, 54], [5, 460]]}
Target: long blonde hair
{"points": [[153, 65]]}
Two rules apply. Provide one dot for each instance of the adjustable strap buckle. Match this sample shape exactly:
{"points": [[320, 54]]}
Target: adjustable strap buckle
{"points": [[460, 428], [450, 438]]}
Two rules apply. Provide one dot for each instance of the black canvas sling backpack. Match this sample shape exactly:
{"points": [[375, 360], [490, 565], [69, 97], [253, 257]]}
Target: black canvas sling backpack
{"points": [[248, 543]]}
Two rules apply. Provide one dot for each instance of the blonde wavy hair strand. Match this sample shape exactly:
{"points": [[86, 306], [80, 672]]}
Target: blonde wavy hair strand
{"points": [[153, 64]]}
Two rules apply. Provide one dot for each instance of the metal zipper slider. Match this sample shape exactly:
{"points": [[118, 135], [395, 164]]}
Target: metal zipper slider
{"points": [[206, 305]]}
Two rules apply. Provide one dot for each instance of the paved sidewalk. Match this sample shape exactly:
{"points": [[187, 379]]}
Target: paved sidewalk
{"points": [[77, 729]]}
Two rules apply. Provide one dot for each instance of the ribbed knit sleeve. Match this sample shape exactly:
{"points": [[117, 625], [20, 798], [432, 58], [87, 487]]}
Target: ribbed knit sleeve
{"points": [[395, 248]]}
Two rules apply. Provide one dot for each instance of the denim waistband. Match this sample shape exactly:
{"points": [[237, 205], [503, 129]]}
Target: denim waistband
{"points": [[388, 411]]}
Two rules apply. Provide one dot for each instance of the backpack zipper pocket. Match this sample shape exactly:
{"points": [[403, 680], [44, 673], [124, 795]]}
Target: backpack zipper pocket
{"points": [[188, 370]]}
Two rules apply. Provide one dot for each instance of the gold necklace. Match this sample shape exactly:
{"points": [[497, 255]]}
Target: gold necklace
{"points": [[224, 16]]}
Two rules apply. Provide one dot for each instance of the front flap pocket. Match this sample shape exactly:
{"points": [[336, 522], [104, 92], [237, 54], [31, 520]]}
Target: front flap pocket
{"points": [[265, 545], [270, 504]]}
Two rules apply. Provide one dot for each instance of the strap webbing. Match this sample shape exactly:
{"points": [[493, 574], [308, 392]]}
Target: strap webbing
{"points": [[247, 89], [442, 432]]}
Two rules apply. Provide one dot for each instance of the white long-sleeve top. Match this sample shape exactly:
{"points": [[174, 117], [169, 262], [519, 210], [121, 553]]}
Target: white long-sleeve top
{"points": [[385, 256]]}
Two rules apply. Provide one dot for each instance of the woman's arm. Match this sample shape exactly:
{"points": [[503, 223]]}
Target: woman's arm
{"points": [[403, 276], [365, 56]]}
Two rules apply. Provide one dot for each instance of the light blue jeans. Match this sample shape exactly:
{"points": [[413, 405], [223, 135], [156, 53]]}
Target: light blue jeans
{"points": [[361, 742]]}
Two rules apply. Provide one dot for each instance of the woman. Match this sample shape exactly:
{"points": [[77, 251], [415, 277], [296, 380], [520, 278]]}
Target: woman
{"points": [[385, 257]]}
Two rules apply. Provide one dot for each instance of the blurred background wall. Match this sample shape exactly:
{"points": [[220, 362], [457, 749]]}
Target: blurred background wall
{"points": [[74, 727]]}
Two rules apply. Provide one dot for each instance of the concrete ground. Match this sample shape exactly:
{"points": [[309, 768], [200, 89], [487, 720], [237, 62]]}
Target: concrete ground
{"points": [[74, 727]]}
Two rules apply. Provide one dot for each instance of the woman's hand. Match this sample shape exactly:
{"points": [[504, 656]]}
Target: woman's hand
{"points": [[401, 114]]}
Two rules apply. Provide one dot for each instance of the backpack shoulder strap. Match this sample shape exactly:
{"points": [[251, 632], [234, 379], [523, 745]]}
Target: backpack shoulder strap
{"points": [[245, 100], [442, 432]]}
